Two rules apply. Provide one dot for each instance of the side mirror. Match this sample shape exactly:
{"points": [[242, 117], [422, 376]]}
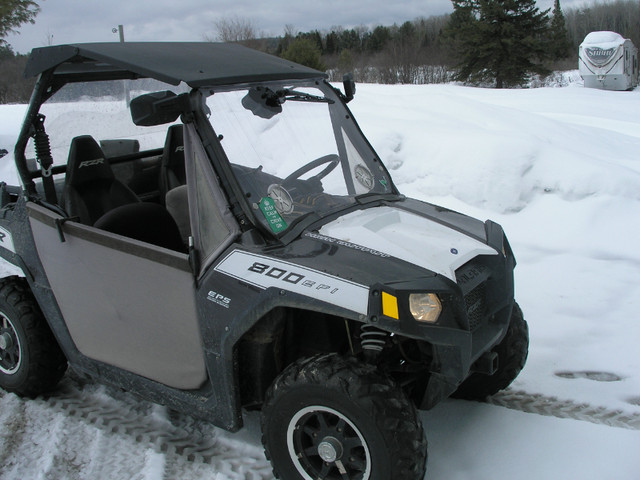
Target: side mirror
{"points": [[158, 108], [262, 102], [349, 86]]}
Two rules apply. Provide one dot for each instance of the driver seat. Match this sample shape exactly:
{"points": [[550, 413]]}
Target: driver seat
{"points": [[91, 188]]}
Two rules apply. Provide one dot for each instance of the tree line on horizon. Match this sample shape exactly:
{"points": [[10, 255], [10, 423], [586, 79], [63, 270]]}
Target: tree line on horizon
{"points": [[436, 49], [451, 47]]}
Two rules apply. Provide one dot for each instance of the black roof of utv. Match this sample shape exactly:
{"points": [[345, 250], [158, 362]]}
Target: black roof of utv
{"points": [[196, 64]]}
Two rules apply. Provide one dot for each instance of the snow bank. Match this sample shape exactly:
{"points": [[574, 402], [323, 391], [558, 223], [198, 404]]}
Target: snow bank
{"points": [[559, 169], [482, 148]]}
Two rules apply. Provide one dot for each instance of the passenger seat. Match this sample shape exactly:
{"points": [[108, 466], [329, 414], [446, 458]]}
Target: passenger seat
{"points": [[172, 170], [91, 188]]}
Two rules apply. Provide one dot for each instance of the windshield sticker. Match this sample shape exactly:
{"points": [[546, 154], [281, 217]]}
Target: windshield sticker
{"points": [[270, 212], [364, 176], [281, 199]]}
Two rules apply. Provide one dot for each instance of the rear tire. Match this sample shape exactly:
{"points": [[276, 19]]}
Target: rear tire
{"points": [[334, 418], [512, 355], [31, 361]]}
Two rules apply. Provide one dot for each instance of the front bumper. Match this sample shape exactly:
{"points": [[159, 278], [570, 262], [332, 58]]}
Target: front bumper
{"points": [[454, 361], [487, 290], [474, 319]]}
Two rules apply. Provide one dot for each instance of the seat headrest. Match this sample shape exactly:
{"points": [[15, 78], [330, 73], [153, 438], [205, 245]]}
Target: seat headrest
{"points": [[86, 161], [173, 155], [175, 140]]}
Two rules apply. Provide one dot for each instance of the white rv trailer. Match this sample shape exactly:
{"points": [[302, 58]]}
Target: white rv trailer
{"points": [[608, 61]]}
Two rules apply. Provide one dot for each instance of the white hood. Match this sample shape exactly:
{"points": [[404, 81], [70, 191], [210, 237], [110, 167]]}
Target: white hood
{"points": [[408, 237]]}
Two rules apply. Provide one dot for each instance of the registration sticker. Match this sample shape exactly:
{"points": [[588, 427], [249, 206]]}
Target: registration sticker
{"points": [[274, 219]]}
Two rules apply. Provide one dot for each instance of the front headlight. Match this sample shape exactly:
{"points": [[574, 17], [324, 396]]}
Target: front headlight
{"points": [[425, 307]]}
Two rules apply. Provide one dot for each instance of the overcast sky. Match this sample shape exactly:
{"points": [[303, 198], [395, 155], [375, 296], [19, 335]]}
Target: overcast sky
{"points": [[74, 21]]}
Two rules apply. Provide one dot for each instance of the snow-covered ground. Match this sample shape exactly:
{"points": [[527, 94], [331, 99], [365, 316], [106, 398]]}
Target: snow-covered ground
{"points": [[559, 168]]}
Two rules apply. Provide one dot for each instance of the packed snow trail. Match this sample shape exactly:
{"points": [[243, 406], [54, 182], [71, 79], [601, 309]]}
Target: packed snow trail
{"points": [[158, 440], [171, 432], [554, 407], [93, 431]]}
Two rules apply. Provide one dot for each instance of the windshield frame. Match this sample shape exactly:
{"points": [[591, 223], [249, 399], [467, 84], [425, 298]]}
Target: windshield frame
{"points": [[342, 123]]}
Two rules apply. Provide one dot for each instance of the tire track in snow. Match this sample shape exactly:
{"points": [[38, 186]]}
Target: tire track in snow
{"points": [[555, 407], [198, 441], [173, 439], [12, 419], [170, 444]]}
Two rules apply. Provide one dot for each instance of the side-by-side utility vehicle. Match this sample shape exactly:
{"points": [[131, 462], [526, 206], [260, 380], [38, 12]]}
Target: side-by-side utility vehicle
{"points": [[206, 225]]}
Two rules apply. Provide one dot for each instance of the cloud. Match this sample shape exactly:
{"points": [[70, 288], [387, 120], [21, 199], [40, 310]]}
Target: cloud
{"points": [[74, 21]]}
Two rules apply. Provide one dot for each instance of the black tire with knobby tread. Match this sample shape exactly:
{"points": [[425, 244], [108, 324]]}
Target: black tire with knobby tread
{"points": [[378, 407], [512, 355], [43, 363]]}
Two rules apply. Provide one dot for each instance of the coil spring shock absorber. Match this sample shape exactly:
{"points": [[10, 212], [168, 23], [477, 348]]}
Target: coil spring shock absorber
{"points": [[372, 341], [44, 158], [42, 145]]}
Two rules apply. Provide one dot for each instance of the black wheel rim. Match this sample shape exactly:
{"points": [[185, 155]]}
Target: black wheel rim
{"points": [[325, 444], [10, 348]]}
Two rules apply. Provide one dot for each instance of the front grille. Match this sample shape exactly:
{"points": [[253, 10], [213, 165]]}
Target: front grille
{"points": [[476, 304]]}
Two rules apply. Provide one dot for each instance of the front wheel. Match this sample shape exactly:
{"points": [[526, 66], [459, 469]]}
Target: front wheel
{"points": [[335, 418]]}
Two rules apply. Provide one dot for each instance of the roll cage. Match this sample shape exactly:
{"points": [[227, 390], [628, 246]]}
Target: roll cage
{"points": [[205, 68]]}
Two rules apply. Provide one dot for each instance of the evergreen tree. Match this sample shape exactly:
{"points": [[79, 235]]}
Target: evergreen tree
{"points": [[559, 43], [304, 51], [332, 43], [377, 40], [14, 13], [350, 39], [460, 26], [501, 41], [313, 36]]}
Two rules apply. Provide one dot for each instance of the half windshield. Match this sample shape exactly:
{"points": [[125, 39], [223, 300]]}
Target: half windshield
{"points": [[295, 152]]}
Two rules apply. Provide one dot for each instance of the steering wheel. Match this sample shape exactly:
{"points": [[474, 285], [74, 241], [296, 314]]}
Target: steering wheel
{"points": [[332, 159]]}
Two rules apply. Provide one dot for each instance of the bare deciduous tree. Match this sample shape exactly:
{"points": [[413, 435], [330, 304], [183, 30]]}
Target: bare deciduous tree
{"points": [[234, 30], [238, 30], [621, 16]]}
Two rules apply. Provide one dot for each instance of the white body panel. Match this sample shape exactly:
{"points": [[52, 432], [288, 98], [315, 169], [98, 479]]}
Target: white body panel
{"points": [[6, 240], [8, 269], [408, 237], [264, 272]]}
